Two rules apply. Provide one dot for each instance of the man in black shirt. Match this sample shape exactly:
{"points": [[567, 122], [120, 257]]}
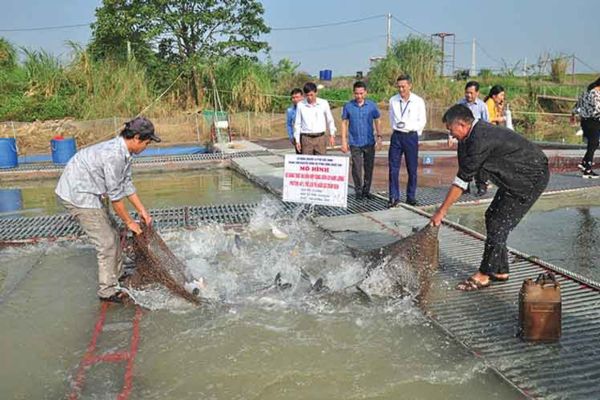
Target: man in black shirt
{"points": [[519, 169]]}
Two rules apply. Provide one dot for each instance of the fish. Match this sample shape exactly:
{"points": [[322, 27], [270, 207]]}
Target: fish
{"points": [[402, 268], [156, 263]]}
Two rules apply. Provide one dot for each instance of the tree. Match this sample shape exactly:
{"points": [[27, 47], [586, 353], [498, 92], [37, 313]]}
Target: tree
{"points": [[175, 36]]}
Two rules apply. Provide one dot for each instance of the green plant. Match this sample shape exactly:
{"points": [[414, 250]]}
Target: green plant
{"points": [[45, 73], [558, 68], [415, 56], [8, 54], [485, 73]]}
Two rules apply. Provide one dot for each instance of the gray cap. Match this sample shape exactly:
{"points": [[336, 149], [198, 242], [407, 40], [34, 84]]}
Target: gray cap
{"points": [[144, 127]]}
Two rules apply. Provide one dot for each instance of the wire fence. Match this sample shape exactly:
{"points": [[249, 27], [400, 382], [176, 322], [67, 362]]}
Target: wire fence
{"points": [[34, 137]]}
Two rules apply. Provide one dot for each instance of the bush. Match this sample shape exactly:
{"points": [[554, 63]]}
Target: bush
{"points": [[558, 69], [415, 56]]}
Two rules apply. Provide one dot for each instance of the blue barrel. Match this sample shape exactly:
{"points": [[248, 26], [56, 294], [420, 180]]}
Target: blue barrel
{"points": [[321, 75], [62, 150], [8, 153], [10, 200], [327, 75]]}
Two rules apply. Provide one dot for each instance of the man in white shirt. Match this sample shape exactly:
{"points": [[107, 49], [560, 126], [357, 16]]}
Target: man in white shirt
{"points": [[103, 171], [407, 119], [313, 118]]}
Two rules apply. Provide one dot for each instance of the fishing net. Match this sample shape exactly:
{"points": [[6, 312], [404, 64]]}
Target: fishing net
{"points": [[156, 263], [406, 265]]}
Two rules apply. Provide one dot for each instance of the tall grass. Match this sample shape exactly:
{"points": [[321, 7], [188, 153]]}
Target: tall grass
{"points": [[107, 88], [558, 68], [243, 85], [8, 54], [45, 73], [415, 56]]}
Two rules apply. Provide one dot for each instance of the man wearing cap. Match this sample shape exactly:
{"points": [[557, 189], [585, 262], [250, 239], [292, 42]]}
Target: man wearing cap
{"points": [[103, 172]]}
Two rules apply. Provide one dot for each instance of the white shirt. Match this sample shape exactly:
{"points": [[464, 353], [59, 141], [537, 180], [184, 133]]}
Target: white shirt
{"points": [[412, 113], [313, 118]]}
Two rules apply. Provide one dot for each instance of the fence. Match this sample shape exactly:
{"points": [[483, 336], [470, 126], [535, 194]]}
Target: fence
{"points": [[34, 138]]}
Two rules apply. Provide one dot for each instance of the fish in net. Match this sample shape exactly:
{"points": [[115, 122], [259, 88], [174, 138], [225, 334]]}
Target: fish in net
{"points": [[406, 265], [156, 263]]}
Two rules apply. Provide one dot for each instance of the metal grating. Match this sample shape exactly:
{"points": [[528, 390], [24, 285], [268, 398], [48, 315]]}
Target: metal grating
{"points": [[143, 161], [21, 229], [429, 196], [28, 229], [485, 321]]}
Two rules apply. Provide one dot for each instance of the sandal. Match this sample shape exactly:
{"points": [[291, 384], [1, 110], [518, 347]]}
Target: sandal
{"points": [[472, 284], [496, 278]]}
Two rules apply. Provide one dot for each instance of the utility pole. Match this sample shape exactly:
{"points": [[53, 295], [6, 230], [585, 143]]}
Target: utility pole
{"points": [[442, 36], [389, 32], [473, 61], [573, 70]]}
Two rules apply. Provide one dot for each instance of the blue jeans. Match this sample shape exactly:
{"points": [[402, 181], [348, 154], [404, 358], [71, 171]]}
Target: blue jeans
{"points": [[407, 144]]}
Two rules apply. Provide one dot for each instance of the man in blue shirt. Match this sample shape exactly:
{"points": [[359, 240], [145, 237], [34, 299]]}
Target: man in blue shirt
{"points": [[358, 117], [473, 102], [480, 112], [296, 96]]}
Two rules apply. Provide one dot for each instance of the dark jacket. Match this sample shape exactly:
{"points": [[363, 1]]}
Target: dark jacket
{"points": [[510, 161]]}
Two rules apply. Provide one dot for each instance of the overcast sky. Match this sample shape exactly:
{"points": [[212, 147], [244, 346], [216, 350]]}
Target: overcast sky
{"points": [[507, 32]]}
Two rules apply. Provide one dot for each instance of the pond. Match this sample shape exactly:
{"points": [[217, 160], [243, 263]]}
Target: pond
{"points": [[157, 190], [563, 229], [246, 343]]}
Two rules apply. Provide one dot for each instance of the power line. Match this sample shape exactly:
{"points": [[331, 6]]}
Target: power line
{"points": [[351, 21], [46, 28], [369, 39], [293, 28], [408, 26], [491, 57], [586, 64]]}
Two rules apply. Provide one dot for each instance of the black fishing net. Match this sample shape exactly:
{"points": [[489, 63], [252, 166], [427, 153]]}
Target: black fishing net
{"points": [[156, 263]]}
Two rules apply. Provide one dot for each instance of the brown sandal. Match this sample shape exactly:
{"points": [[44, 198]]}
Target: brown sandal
{"points": [[472, 284]]}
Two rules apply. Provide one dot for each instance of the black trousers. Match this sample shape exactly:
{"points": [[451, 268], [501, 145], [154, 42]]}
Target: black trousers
{"points": [[591, 130], [502, 216], [362, 158]]}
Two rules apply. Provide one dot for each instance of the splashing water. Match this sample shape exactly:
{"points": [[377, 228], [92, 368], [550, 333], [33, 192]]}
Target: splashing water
{"points": [[275, 260]]}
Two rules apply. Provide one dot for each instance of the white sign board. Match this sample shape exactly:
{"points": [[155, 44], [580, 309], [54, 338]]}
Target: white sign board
{"points": [[321, 180]]}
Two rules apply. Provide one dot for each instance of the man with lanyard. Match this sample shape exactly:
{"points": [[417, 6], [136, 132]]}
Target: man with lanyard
{"points": [[519, 169], [296, 97], [358, 117], [313, 117], [99, 172], [480, 112], [407, 119]]}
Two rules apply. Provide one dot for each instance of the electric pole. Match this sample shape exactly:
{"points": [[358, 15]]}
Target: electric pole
{"points": [[473, 61], [442, 36], [389, 32]]}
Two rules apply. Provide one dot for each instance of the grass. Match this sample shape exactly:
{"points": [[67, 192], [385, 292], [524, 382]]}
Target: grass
{"points": [[43, 87]]}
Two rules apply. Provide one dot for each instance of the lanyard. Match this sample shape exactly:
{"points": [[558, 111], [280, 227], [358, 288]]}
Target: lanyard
{"points": [[405, 108]]}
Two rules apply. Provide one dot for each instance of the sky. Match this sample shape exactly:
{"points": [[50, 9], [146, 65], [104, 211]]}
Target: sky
{"points": [[508, 33]]}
